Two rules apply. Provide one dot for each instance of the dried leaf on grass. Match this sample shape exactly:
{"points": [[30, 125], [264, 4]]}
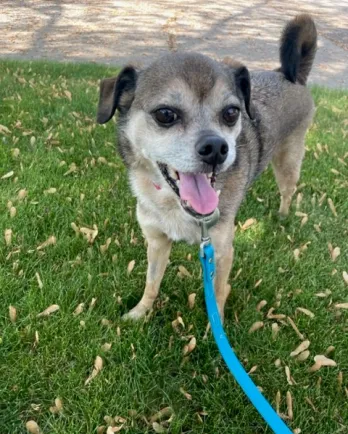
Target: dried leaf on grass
{"points": [[256, 326], [332, 207], [302, 347], [248, 223], [305, 311], [186, 394], [303, 356], [165, 413], [89, 234], [8, 175], [58, 406], [52, 240], [33, 427], [190, 346], [79, 309], [8, 236], [39, 281], [98, 366], [130, 266], [192, 300], [183, 272], [13, 313], [51, 309], [289, 405]]}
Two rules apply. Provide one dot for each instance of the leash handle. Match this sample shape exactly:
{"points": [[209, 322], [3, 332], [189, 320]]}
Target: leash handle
{"points": [[236, 368]]}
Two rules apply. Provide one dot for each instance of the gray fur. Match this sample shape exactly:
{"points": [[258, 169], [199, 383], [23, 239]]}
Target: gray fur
{"points": [[272, 125]]}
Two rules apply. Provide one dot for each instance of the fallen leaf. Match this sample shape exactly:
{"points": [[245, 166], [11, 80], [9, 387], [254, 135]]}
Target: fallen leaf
{"points": [[98, 366], [39, 281], [4, 129], [184, 271], [165, 413], [8, 236], [329, 350], [49, 242], [51, 190], [68, 95], [323, 294], [256, 326], [79, 309], [106, 347], [345, 277], [191, 300], [275, 330], [158, 428], [335, 253], [315, 367], [261, 305], [22, 194], [293, 325], [332, 207], [130, 266], [258, 283], [33, 427], [324, 361], [289, 405], [13, 313], [187, 395], [303, 356], [303, 346], [104, 247], [51, 309], [90, 234], [288, 376], [8, 175], [341, 305], [13, 212], [58, 407], [248, 223], [305, 311], [189, 347]]}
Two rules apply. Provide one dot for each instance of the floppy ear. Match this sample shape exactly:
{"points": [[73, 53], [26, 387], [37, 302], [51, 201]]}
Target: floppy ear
{"points": [[242, 78], [116, 93]]}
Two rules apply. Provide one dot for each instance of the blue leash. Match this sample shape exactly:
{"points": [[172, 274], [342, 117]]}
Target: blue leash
{"points": [[257, 399]]}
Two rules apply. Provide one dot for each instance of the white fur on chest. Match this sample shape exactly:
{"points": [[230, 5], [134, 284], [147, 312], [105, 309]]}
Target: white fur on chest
{"points": [[161, 210]]}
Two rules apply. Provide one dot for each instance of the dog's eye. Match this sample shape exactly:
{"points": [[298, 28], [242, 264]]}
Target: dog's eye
{"points": [[165, 116], [230, 115]]}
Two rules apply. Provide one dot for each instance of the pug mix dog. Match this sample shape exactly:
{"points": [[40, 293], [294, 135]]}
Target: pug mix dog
{"points": [[194, 133]]}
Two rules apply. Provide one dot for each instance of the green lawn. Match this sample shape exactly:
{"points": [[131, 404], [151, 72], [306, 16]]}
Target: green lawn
{"points": [[49, 114]]}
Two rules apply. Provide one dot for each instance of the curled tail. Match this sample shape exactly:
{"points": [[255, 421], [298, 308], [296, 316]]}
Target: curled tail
{"points": [[297, 48]]}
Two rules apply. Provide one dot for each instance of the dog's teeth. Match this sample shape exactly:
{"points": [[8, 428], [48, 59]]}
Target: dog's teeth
{"points": [[218, 193], [210, 175]]}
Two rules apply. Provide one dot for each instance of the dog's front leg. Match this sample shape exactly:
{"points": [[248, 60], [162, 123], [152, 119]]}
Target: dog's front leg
{"points": [[158, 252], [222, 238]]}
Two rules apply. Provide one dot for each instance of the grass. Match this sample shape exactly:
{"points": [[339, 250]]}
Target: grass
{"points": [[61, 147]]}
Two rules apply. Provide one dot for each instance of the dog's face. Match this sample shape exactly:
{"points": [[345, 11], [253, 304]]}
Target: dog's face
{"points": [[183, 114]]}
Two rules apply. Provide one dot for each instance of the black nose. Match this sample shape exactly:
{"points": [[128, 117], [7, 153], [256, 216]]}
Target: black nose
{"points": [[212, 149]]}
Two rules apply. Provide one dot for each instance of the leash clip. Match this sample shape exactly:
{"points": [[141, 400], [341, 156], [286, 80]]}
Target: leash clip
{"points": [[206, 223]]}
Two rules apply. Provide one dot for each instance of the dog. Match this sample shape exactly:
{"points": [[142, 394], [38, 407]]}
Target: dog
{"points": [[194, 133]]}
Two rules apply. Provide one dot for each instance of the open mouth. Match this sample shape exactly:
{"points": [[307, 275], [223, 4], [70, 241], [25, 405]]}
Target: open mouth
{"points": [[196, 191]]}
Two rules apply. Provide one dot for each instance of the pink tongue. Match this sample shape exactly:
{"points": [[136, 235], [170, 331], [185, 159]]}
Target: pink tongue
{"points": [[197, 190]]}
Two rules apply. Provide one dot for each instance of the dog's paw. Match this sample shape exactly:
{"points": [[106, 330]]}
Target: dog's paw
{"points": [[137, 313]]}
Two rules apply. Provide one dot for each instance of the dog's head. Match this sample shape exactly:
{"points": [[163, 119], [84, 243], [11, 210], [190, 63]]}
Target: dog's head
{"points": [[183, 114]]}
